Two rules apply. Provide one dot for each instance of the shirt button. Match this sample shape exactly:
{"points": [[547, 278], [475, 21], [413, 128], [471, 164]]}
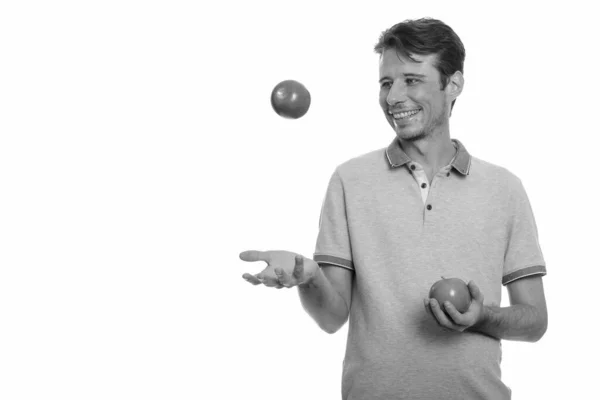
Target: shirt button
{"points": [[429, 206], [413, 167], [424, 185]]}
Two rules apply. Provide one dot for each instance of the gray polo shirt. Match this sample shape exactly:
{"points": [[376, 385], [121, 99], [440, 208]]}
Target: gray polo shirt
{"points": [[475, 223]]}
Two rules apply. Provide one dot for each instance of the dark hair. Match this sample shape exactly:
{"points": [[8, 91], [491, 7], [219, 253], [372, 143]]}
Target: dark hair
{"points": [[423, 37]]}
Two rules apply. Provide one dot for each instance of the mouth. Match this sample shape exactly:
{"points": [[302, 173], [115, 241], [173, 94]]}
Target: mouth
{"points": [[404, 114]]}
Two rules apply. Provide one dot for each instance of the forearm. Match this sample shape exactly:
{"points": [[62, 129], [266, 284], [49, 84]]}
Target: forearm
{"points": [[323, 303], [518, 322]]}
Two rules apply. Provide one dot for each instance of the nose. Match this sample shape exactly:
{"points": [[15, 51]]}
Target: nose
{"points": [[397, 93]]}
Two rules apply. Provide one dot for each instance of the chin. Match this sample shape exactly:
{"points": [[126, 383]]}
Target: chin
{"points": [[415, 138], [411, 135]]}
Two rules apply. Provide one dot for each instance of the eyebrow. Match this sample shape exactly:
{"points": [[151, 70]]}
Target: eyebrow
{"points": [[407, 75]]}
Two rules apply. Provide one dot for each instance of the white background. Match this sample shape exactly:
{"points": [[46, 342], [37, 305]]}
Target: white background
{"points": [[139, 155]]}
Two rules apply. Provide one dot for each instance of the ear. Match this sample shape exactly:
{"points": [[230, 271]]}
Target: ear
{"points": [[455, 86]]}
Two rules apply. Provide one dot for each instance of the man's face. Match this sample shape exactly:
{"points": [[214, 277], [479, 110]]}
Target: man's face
{"points": [[411, 96]]}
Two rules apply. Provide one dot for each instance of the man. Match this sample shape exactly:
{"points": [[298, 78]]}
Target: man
{"points": [[395, 220]]}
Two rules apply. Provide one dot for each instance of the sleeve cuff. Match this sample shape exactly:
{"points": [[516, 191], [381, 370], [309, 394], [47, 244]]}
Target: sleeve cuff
{"points": [[522, 273], [331, 260]]}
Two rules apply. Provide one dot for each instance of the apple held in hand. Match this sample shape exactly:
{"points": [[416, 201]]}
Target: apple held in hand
{"points": [[453, 290]]}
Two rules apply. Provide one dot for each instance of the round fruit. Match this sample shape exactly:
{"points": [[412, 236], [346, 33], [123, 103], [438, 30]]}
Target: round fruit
{"points": [[290, 99], [453, 290]]}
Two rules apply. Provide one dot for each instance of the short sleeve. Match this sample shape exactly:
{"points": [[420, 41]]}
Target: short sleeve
{"points": [[333, 241], [523, 255]]}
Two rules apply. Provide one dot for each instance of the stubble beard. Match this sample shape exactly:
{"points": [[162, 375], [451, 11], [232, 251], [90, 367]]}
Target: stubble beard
{"points": [[427, 130]]}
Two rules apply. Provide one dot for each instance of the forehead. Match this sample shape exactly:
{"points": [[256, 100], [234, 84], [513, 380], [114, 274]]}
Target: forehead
{"points": [[392, 64]]}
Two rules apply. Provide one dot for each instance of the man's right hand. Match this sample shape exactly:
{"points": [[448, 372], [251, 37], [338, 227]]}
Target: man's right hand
{"points": [[284, 268]]}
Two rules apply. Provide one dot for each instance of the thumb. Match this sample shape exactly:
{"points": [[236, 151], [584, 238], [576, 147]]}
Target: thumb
{"points": [[475, 292], [254, 255]]}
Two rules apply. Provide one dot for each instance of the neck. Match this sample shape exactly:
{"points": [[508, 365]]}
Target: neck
{"points": [[432, 152]]}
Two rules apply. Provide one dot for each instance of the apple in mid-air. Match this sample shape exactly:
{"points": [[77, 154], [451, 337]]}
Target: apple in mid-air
{"points": [[453, 290], [290, 99]]}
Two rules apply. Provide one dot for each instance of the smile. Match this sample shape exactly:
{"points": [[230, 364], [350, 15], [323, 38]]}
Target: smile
{"points": [[405, 114]]}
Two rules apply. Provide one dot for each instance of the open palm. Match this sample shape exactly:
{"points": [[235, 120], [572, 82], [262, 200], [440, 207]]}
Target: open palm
{"points": [[284, 268]]}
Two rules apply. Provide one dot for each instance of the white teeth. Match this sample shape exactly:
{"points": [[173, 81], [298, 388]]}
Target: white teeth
{"points": [[405, 114]]}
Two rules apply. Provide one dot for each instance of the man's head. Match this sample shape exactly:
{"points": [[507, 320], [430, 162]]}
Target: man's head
{"points": [[421, 66]]}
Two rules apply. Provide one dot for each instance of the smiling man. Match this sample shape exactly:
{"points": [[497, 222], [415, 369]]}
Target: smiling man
{"points": [[415, 117], [396, 219]]}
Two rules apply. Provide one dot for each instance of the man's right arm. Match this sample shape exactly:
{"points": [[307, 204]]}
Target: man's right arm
{"points": [[327, 296]]}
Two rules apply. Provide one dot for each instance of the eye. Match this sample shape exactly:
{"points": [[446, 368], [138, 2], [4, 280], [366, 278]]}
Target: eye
{"points": [[385, 85], [412, 81]]}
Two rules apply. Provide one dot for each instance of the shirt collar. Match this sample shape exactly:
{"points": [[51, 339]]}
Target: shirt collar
{"points": [[461, 162]]}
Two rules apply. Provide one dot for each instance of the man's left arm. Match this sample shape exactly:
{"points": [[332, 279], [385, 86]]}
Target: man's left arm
{"points": [[527, 317], [525, 320]]}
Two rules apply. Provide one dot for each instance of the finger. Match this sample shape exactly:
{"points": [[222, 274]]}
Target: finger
{"points": [[298, 272], [254, 255], [475, 292], [274, 282], [427, 309], [441, 317], [456, 317], [268, 280], [438, 313], [265, 280], [283, 278], [252, 279]]}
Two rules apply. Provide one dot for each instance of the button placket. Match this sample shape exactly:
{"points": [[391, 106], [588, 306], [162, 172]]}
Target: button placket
{"points": [[433, 184]]}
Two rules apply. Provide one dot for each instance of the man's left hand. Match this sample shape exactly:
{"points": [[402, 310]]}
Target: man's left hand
{"points": [[453, 319]]}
